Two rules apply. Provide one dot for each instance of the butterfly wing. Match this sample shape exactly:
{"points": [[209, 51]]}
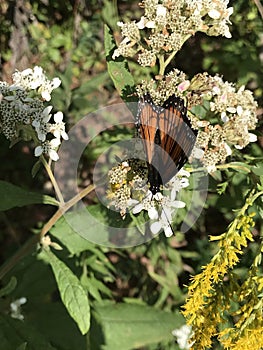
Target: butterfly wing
{"points": [[177, 137], [147, 125], [167, 138]]}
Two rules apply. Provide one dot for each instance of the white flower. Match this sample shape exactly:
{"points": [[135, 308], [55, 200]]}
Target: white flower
{"points": [[153, 213], [211, 168], [58, 129], [48, 147], [197, 153], [26, 72], [46, 95], [38, 151], [214, 14], [35, 79], [224, 117], [228, 13], [252, 137], [227, 34], [145, 23], [231, 110], [228, 149], [15, 308], [53, 155], [183, 335], [40, 125], [161, 11], [55, 83], [178, 182], [164, 220], [239, 110], [145, 204]]}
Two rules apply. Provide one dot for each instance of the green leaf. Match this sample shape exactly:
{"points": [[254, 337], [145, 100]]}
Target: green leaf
{"points": [[55, 323], [93, 223], [118, 68], [36, 168], [141, 325], [22, 347], [258, 169], [15, 334], [14, 196], [92, 84], [71, 291], [70, 238], [238, 166]]}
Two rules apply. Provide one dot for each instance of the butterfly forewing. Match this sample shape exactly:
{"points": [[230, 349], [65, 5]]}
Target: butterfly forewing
{"points": [[147, 124], [167, 138]]}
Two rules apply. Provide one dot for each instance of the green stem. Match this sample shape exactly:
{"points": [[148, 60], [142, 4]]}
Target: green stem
{"points": [[169, 59], [164, 63], [53, 180], [65, 208], [162, 66], [48, 168]]}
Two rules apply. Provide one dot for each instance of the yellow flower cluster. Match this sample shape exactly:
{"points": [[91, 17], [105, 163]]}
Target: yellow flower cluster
{"points": [[215, 290]]}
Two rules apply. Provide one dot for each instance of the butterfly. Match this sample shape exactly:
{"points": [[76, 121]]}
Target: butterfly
{"points": [[167, 135]]}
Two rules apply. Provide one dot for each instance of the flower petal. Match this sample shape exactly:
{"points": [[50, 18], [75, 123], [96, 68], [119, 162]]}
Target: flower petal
{"points": [[38, 151], [252, 137], [153, 213], [53, 155], [156, 227], [58, 117], [168, 231]]}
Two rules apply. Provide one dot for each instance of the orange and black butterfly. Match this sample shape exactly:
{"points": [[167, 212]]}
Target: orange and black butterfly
{"points": [[167, 136]]}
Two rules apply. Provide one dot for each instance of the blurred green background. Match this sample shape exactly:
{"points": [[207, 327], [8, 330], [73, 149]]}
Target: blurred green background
{"points": [[66, 39]]}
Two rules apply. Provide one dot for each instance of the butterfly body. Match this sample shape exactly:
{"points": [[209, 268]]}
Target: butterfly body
{"points": [[167, 136]]}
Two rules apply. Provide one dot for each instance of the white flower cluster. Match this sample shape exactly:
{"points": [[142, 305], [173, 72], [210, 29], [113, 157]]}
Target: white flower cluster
{"points": [[22, 111], [35, 79], [173, 83], [236, 112], [161, 208], [129, 191], [167, 24]]}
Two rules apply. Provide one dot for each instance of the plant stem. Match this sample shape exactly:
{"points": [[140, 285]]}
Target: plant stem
{"points": [[65, 208], [53, 180], [162, 66], [169, 59]]}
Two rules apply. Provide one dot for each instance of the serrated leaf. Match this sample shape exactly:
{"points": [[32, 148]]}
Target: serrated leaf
{"points": [[71, 291], [118, 69], [142, 325], [14, 196]]}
